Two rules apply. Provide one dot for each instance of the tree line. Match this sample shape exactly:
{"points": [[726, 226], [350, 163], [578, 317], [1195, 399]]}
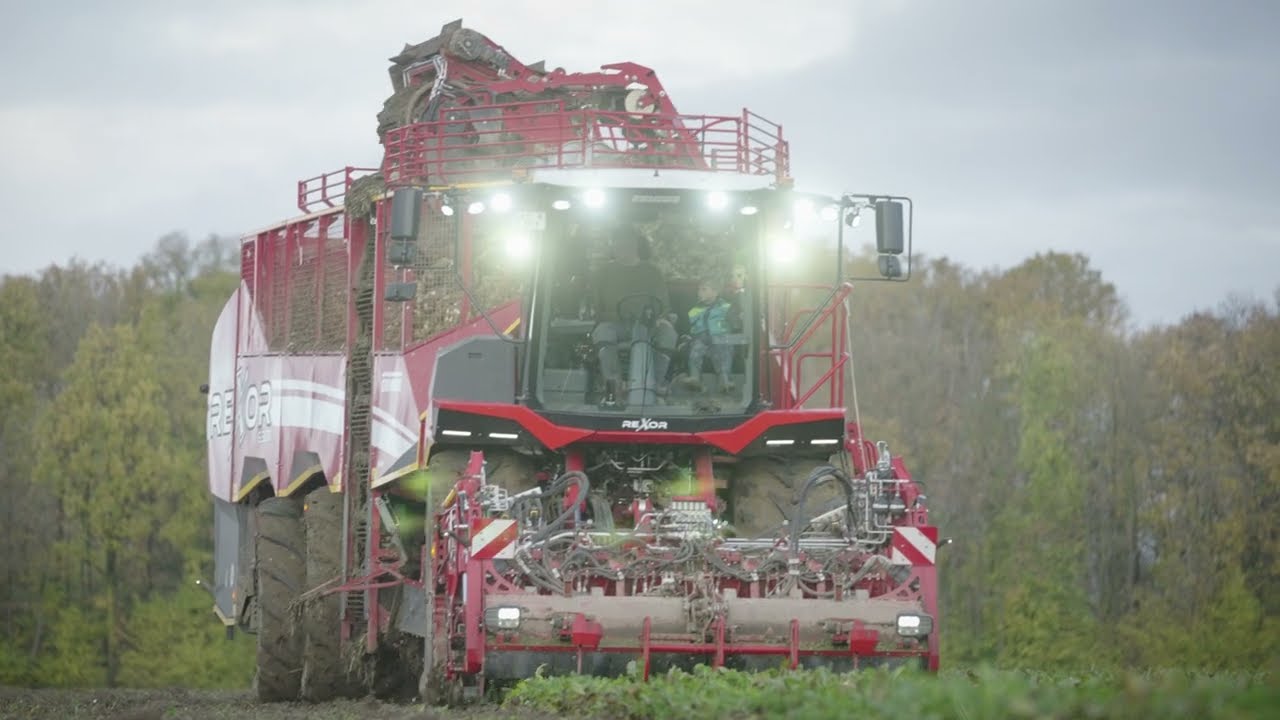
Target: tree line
{"points": [[1112, 492], [105, 523]]}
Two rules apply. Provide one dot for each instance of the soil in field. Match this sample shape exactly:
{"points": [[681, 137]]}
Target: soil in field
{"points": [[179, 704]]}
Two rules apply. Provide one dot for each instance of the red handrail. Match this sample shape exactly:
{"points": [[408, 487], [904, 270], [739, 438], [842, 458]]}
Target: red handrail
{"points": [[496, 139], [327, 190], [791, 357]]}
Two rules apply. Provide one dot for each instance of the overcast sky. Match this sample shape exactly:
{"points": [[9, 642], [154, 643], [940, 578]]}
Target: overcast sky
{"points": [[1142, 134]]}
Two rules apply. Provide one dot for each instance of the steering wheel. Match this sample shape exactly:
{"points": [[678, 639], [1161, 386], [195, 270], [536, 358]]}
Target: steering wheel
{"points": [[652, 308]]}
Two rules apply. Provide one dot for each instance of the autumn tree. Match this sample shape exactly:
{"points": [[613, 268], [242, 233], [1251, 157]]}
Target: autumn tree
{"points": [[24, 356], [1208, 510], [102, 453]]}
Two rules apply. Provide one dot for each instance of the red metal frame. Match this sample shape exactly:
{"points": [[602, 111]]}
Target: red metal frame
{"points": [[468, 585], [557, 437], [328, 190], [479, 100], [787, 363], [272, 261], [469, 143]]}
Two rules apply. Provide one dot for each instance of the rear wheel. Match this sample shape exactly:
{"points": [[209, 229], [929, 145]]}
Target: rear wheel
{"points": [[281, 574], [324, 669]]}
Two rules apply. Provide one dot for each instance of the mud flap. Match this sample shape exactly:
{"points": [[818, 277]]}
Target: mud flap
{"points": [[232, 561], [411, 612]]}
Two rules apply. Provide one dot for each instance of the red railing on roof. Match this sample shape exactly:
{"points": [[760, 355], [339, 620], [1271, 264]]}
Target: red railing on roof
{"points": [[491, 140], [327, 190]]}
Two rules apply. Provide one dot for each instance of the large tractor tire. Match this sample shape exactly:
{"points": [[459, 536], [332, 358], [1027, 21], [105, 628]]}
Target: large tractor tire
{"points": [[281, 575], [764, 490], [325, 670]]}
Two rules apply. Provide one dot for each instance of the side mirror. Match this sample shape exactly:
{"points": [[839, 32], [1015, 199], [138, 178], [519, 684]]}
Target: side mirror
{"points": [[894, 223], [890, 266], [889, 228]]}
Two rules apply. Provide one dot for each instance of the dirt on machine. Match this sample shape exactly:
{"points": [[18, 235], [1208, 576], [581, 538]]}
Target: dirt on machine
{"points": [[563, 385]]}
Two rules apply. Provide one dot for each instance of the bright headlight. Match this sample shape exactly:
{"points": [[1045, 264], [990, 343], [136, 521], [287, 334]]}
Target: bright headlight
{"points": [[519, 247], [804, 208], [593, 198], [502, 618], [913, 625], [782, 251], [717, 200], [501, 202]]}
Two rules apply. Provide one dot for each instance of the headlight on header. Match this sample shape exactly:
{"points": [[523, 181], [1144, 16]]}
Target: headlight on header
{"points": [[913, 625], [502, 618]]}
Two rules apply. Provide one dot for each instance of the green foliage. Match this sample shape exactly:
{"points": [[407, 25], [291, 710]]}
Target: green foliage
{"points": [[102, 441], [1044, 619], [15, 665], [174, 641], [1232, 633], [897, 693], [75, 655], [1109, 491], [108, 523], [101, 454], [24, 379]]}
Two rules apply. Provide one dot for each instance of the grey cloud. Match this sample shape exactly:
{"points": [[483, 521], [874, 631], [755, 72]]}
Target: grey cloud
{"points": [[1142, 137], [1141, 134]]}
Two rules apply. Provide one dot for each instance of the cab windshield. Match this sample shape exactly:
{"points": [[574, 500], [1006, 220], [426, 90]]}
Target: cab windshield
{"points": [[645, 309]]}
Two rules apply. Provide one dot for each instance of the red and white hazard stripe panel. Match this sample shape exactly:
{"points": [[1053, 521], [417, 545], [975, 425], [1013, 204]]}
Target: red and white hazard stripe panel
{"points": [[914, 545], [493, 539]]}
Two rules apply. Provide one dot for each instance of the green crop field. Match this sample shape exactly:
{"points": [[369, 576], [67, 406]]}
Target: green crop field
{"points": [[895, 694], [707, 695]]}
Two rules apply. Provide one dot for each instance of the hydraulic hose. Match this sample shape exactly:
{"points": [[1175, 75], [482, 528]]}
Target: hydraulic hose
{"points": [[560, 485], [819, 476]]}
